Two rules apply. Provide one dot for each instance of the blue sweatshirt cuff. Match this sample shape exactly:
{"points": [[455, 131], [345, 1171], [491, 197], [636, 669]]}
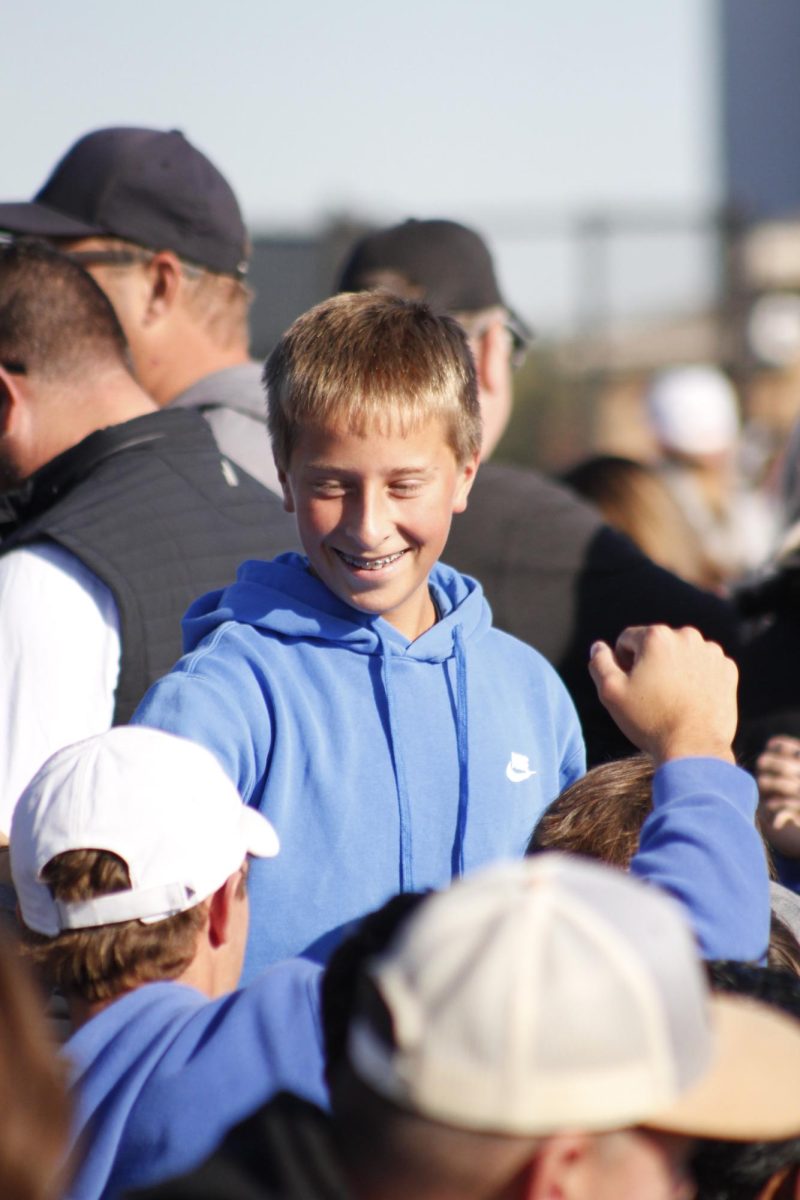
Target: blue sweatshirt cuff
{"points": [[700, 775]]}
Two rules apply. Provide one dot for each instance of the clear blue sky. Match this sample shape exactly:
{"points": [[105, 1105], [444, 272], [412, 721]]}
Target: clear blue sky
{"points": [[425, 107]]}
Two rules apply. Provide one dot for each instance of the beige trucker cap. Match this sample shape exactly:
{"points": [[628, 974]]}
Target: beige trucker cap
{"points": [[555, 993]]}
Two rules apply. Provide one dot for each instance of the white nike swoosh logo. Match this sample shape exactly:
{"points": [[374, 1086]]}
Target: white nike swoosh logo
{"points": [[518, 769]]}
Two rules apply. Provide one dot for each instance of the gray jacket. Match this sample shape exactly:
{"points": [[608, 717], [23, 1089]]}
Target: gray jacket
{"points": [[233, 403]]}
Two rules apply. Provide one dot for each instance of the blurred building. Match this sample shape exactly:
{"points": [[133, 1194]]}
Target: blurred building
{"points": [[632, 290], [291, 272], [760, 135], [760, 109]]}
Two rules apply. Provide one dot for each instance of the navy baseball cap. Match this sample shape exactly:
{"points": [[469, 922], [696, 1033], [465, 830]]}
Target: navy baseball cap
{"points": [[146, 186], [448, 265]]}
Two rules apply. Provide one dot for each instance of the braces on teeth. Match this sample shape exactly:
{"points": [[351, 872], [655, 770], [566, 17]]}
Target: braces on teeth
{"points": [[370, 564]]}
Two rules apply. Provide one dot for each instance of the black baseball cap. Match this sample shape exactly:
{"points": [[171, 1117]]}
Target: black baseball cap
{"points": [[448, 263], [146, 186]]}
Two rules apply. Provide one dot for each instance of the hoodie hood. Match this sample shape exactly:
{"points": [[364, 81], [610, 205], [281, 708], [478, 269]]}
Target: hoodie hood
{"points": [[283, 597]]}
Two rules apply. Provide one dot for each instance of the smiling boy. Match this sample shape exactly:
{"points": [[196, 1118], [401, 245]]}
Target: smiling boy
{"points": [[359, 695], [373, 515]]}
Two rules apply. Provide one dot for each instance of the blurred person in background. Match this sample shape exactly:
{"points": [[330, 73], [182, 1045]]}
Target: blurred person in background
{"points": [[790, 495], [777, 772], [634, 499], [770, 602], [34, 1136], [693, 414], [555, 574], [160, 230]]}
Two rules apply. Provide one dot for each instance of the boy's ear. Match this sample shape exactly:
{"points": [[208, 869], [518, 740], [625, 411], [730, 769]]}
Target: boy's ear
{"points": [[469, 470], [220, 911], [288, 497]]}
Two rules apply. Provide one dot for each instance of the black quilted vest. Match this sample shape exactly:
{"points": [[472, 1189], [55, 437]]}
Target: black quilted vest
{"points": [[152, 509]]}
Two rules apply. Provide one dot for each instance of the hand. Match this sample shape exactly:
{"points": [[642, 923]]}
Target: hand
{"points": [[778, 777], [672, 693]]}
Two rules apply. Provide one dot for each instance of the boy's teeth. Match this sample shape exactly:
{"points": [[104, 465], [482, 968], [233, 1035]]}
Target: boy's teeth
{"points": [[370, 564]]}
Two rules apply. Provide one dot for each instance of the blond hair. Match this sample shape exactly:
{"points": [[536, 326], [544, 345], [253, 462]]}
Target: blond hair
{"points": [[372, 361]]}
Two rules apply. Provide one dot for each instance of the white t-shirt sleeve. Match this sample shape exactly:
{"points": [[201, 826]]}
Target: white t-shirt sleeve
{"points": [[59, 661]]}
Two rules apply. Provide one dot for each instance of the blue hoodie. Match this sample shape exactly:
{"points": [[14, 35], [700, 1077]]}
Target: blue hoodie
{"points": [[162, 1074], [385, 765]]}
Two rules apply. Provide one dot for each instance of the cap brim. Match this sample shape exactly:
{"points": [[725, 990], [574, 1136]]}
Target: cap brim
{"points": [[260, 836], [751, 1090], [37, 220]]}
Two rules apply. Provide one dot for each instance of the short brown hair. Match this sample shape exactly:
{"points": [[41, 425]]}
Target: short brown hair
{"points": [[783, 952], [370, 360], [104, 962], [54, 319], [601, 815]]}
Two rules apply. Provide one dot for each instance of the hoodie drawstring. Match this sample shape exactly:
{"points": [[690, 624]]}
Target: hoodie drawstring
{"points": [[406, 867], [462, 746]]}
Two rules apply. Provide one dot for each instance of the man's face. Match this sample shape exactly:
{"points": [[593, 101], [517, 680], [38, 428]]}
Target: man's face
{"points": [[373, 513]]}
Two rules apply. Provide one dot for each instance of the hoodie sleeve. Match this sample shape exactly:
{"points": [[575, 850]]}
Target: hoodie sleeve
{"points": [[701, 844], [573, 749], [212, 698]]}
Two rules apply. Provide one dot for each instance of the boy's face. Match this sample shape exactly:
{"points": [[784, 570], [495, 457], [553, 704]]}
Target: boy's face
{"points": [[374, 512]]}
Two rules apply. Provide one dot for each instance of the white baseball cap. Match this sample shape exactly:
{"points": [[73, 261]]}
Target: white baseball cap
{"points": [[160, 802], [693, 410], [555, 993]]}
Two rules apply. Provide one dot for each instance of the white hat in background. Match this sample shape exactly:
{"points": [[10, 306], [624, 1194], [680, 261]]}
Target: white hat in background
{"points": [[553, 994], [693, 410], [161, 803]]}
